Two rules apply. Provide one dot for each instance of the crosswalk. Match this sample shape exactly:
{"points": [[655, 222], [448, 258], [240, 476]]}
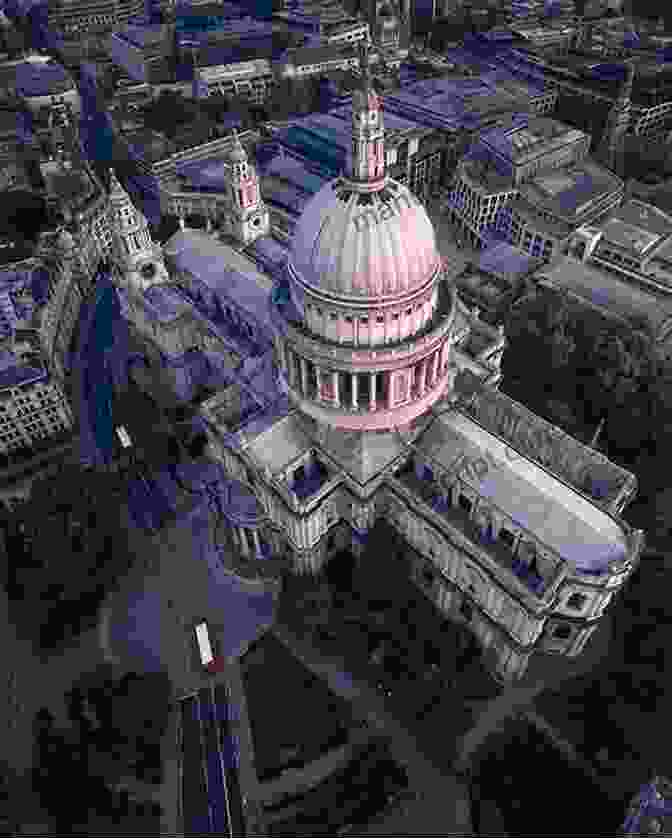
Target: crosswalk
{"points": [[211, 797]]}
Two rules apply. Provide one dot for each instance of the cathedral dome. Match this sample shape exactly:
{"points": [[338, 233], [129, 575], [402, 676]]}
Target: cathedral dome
{"points": [[363, 245]]}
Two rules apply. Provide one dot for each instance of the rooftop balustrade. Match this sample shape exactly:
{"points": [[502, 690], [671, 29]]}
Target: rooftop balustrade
{"points": [[520, 562]]}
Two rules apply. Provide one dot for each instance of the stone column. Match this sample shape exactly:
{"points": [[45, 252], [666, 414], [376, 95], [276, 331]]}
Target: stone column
{"points": [[423, 376], [318, 381], [334, 382], [435, 366], [372, 398], [355, 391], [257, 544], [304, 376], [243, 541], [290, 356], [282, 356], [390, 388]]}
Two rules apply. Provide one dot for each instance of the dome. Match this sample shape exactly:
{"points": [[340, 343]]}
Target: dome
{"points": [[364, 245]]}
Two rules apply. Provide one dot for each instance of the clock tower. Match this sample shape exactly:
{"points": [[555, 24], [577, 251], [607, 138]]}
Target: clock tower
{"points": [[247, 216]]}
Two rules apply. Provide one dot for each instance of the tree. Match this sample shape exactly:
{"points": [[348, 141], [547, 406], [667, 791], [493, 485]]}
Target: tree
{"points": [[539, 328], [66, 552]]}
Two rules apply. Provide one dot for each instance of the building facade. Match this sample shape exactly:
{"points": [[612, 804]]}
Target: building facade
{"points": [[73, 18], [533, 185], [250, 80]]}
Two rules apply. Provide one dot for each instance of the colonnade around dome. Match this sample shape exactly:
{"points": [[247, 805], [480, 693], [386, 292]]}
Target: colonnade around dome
{"points": [[363, 392]]}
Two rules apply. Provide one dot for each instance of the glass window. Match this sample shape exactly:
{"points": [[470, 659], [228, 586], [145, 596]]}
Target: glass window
{"points": [[465, 503], [507, 537], [576, 601]]}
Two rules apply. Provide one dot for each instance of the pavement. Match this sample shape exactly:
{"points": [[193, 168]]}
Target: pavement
{"points": [[442, 807], [545, 672]]}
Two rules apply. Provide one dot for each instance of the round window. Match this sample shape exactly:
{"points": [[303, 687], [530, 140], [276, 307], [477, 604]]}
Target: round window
{"points": [[257, 221]]}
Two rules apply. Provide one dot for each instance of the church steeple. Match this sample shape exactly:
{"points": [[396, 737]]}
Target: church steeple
{"points": [[248, 217], [366, 163], [138, 260]]}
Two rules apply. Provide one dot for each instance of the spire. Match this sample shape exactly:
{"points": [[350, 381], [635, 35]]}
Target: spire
{"points": [[366, 161], [364, 65], [237, 153], [115, 186]]}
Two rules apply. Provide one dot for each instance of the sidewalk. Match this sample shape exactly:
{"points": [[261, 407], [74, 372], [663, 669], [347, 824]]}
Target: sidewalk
{"points": [[546, 672], [442, 807]]}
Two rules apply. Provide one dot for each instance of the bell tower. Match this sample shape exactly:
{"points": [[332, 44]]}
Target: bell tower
{"points": [[138, 261], [248, 216]]}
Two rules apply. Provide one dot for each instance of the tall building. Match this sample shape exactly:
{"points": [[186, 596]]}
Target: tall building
{"points": [[360, 388], [617, 124], [532, 184]]}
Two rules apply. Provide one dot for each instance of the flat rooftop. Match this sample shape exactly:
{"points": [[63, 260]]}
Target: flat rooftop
{"points": [[576, 529]]}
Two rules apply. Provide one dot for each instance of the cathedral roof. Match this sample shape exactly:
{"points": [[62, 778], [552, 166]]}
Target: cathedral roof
{"points": [[561, 518], [361, 454], [364, 245]]}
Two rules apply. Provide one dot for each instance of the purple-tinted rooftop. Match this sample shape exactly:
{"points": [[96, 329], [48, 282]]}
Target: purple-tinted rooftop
{"points": [[503, 259], [269, 253], [204, 257], [569, 192], [167, 302], [39, 78], [294, 171], [288, 197], [21, 375], [205, 174], [142, 36]]}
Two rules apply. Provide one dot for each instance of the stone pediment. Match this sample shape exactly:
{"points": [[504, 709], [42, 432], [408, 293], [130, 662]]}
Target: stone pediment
{"points": [[362, 454]]}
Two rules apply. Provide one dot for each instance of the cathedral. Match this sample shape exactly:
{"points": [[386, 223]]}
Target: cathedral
{"points": [[353, 386]]}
